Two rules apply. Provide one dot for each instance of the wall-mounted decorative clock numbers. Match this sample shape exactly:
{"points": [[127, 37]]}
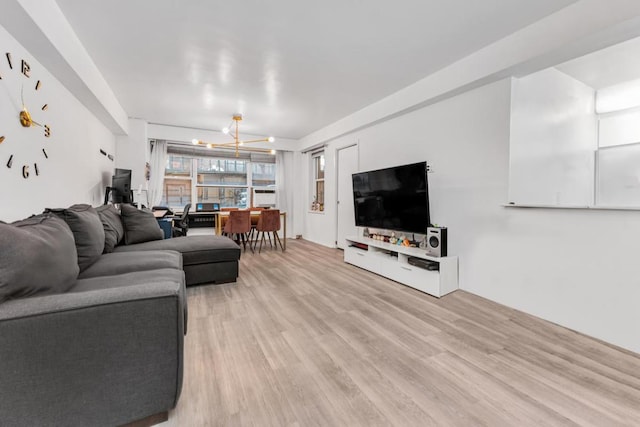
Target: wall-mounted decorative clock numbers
{"points": [[23, 112]]}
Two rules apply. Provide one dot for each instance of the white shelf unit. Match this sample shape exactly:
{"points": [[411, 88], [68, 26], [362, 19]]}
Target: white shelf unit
{"points": [[391, 261]]}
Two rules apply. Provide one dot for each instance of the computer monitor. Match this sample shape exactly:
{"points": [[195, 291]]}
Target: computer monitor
{"points": [[121, 186], [207, 207]]}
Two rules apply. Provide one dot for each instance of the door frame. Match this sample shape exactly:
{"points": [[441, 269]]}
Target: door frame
{"points": [[337, 162]]}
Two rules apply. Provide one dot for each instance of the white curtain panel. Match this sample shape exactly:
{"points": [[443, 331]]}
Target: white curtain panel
{"points": [[158, 163], [284, 185]]}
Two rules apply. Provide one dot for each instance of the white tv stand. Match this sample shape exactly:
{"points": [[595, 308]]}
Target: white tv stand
{"points": [[391, 261]]}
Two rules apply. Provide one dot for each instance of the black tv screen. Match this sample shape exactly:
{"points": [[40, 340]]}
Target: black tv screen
{"points": [[393, 199], [121, 186]]}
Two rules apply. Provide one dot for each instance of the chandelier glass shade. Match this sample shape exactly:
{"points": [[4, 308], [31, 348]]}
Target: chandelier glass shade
{"points": [[237, 143]]}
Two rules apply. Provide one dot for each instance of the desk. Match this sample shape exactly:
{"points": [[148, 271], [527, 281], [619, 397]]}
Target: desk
{"points": [[283, 216], [202, 219]]}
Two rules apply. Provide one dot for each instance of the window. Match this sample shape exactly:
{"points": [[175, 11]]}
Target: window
{"points": [[263, 174], [617, 159], [223, 181], [228, 197], [222, 172], [227, 181], [176, 190], [317, 161]]}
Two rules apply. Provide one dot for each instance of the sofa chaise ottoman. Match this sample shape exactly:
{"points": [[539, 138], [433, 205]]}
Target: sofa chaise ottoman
{"points": [[205, 259]]}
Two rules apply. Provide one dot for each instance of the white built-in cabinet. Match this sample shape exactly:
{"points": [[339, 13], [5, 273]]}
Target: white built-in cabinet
{"points": [[392, 262]]}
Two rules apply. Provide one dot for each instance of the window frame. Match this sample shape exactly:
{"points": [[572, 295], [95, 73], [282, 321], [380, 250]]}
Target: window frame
{"points": [[247, 186], [318, 163]]}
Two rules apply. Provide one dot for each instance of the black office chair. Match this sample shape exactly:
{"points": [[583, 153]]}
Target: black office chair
{"points": [[181, 226]]}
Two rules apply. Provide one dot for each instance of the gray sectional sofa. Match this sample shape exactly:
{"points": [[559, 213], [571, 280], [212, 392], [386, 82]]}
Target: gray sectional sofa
{"points": [[91, 329]]}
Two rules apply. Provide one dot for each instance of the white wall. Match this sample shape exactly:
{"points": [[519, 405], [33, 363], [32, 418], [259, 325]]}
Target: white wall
{"points": [[132, 152], [320, 227], [553, 140], [572, 267], [75, 172]]}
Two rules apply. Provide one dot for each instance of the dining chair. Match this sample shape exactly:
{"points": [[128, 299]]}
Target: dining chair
{"points": [[223, 218], [269, 222], [239, 224], [255, 215]]}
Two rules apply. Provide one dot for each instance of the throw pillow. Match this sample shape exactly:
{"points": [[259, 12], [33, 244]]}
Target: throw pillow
{"points": [[38, 256], [112, 224], [139, 225], [84, 222]]}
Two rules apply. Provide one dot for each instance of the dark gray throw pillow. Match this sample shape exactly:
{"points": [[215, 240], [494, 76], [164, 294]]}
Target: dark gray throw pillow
{"points": [[139, 225], [84, 222], [37, 256], [112, 224]]}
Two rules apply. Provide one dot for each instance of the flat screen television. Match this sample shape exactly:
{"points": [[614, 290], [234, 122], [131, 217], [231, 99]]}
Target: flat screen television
{"points": [[393, 198], [121, 186]]}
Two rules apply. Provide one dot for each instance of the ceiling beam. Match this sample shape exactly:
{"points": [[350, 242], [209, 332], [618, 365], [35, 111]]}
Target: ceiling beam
{"points": [[578, 29], [43, 30]]}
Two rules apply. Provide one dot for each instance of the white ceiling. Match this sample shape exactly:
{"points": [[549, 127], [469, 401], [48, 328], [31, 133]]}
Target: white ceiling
{"points": [[607, 67], [290, 66]]}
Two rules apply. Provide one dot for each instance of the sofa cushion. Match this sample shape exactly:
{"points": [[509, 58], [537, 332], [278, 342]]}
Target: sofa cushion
{"points": [[164, 275], [128, 262], [112, 224], [139, 225], [129, 279], [37, 256], [194, 249], [87, 232]]}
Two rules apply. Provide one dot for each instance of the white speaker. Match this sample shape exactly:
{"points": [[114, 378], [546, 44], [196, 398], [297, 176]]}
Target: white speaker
{"points": [[436, 241]]}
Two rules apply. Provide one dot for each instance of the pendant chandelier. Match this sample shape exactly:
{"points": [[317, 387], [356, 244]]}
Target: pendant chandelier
{"points": [[237, 143]]}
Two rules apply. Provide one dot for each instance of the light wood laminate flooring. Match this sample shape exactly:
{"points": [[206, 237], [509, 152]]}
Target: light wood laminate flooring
{"points": [[303, 339]]}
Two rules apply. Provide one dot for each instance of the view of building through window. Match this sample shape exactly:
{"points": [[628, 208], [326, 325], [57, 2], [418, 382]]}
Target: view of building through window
{"points": [[212, 180], [177, 182]]}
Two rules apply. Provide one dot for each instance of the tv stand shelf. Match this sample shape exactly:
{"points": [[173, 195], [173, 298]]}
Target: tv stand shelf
{"points": [[392, 262]]}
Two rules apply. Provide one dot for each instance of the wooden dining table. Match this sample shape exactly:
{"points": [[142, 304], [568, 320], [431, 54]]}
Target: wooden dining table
{"points": [[254, 214]]}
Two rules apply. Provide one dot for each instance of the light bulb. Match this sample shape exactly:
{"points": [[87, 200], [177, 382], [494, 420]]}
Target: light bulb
{"points": [[209, 145], [225, 131], [272, 152], [195, 141], [240, 143], [271, 139]]}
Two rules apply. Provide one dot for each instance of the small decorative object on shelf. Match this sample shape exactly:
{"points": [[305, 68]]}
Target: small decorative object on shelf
{"points": [[393, 239], [365, 232]]}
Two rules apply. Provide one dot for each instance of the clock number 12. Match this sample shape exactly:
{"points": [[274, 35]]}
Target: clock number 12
{"points": [[26, 69]]}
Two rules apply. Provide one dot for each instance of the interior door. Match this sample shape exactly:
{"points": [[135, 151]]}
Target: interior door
{"points": [[347, 165]]}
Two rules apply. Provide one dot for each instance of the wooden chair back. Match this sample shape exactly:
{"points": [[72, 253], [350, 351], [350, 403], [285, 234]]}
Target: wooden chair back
{"points": [[238, 222], [269, 220]]}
